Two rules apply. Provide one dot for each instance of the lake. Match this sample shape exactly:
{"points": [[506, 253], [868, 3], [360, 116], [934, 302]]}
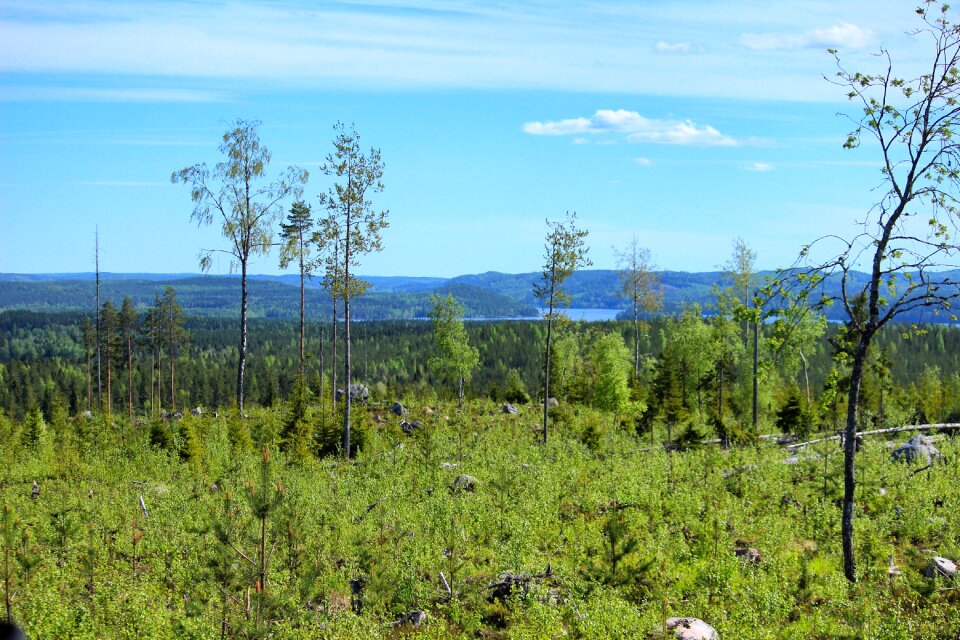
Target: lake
{"points": [[578, 315], [591, 315]]}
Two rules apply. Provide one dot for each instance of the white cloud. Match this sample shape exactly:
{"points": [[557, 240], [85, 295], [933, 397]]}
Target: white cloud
{"points": [[643, 162], [636, 129], [760, 166], [676, 47], [581, 141], [841, 36]]}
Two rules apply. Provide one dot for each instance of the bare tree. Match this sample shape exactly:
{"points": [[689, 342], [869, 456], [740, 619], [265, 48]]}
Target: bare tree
{"points": [[641, 286]]}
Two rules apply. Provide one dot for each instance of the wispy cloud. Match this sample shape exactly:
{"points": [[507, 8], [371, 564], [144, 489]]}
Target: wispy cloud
{"points": [[841, 36], [635, 128], [676, 47], [258, 45], [121, 183], [760, 166], [643, 162], [93, 94]]}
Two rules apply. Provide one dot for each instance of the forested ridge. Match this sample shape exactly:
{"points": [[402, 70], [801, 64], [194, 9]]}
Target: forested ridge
{"points": [[216, 296], [42, 361]]}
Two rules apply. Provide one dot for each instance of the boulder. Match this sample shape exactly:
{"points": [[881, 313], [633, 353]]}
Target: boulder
{"points": [[410, 427], [358, 392], [196, 411], [509, 409], [691, 629], [398, 409], [463, 482], [552, 403], [941, 567], [917, 449], [414, 619], [749, 555]]}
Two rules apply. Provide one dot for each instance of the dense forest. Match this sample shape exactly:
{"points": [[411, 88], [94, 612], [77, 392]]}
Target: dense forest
{"points": [[44, 363]]}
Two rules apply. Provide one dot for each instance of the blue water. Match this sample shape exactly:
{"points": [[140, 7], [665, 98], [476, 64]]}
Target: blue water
{"points": [[591, 315], [577, 315]]}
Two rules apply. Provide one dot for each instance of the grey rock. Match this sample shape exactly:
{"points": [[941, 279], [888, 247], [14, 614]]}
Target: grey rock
{"points": [[692, 629], [729, 473], [509, 409], [916, 449], [398, 409], [196, 411], [410, 427], [414, 619], [463, 482], [358, 392]]}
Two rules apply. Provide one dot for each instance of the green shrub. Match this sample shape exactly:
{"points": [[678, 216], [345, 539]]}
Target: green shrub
{"points": [[160, 434]]}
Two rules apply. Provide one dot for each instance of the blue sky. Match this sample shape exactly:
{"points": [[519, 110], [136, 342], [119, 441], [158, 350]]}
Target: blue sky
{"points": [[689, 123]]}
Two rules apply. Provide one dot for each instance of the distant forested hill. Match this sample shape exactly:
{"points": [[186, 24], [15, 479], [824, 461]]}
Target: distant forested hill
{"points": [[219, 296], [484, 295], [599, 288]]}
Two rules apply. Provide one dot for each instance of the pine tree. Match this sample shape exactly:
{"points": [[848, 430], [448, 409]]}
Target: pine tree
{"points": [[565, 252], [110, 348], [128, 331], [296, 233], [353, 227]]}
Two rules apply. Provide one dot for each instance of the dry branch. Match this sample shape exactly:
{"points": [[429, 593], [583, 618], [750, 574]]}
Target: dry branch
{"points": [[916, 427]]}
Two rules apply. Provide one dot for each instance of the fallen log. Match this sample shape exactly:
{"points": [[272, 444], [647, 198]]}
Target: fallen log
{"points": [[952, 426]]}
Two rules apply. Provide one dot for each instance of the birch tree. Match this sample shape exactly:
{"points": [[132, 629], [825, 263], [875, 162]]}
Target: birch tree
{"points": [[907, 240], [453, 356], [234, 195], [641, 287]]}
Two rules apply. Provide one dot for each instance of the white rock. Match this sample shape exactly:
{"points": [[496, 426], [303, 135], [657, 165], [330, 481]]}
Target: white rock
{"points": [[942, 566], [692, 629]]}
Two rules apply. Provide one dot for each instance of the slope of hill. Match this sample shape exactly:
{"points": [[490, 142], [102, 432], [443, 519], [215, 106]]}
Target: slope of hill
{"points": [[268, 298]]}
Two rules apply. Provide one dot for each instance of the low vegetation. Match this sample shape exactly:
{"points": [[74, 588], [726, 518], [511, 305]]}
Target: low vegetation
{"points": [[203, 528]]}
